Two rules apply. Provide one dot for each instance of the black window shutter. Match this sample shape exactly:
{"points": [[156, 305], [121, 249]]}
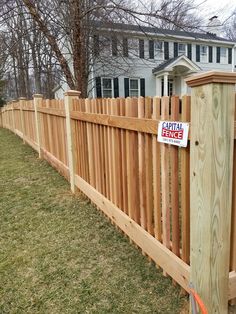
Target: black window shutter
{"points": [[151, 49], [166, 50], [197, 53], [116, 87], [125, 47], [141, 48], [142, 87], [210, 54], [229, 55], [114, 46], [98, 87], [175, 49], [126, 82], [190, 51], [218, 54]]}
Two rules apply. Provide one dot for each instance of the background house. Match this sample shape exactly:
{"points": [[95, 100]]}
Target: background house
{"points": [[130, 60]]}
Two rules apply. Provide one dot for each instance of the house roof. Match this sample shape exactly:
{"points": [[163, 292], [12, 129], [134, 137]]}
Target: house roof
{"points": [[161, 31], [174, 61]]}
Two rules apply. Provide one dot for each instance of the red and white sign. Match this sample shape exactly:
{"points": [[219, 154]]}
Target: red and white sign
{"points": [[173, 132]]}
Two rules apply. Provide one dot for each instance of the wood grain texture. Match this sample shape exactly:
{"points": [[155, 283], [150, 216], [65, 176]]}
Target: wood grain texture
{"points": [[211, 166], [132, 163], [174, 162], [141, 171], [149, 170], [165, 178], [157, 174], [185, 185]]}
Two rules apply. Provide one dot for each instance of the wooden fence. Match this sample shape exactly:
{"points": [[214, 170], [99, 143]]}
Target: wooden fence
{"points": [[108, 149]]}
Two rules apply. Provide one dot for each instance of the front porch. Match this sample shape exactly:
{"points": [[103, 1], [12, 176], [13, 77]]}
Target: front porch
{"points": [[171, 75]]}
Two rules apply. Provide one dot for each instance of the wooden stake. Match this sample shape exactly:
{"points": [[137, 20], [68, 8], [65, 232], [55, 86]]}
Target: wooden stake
{"points": [[69, 96]]}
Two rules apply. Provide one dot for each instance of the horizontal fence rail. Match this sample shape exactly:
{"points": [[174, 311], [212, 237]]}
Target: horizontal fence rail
{"points": [[142, 185]]}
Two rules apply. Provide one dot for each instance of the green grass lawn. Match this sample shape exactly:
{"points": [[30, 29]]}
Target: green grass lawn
{"points": [[59, 254]]}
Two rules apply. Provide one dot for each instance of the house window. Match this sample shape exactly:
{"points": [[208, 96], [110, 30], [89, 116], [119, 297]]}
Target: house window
{"points": [[159, 45], [223, 52], [134, 47], [134, 87], [221, 55], [181, 49], [107, 87], [203, 52], [105, 45]]}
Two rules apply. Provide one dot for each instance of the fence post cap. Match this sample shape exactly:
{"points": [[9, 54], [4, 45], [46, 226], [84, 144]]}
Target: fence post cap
{"points": [[37, 95], [72, 93], [211, 77]]}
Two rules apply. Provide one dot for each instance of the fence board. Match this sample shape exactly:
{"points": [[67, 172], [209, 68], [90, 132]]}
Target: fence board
{"points": [[174, 160], [142, 182], [165, 179], [148, 169], [185, 187], [157, 174]]}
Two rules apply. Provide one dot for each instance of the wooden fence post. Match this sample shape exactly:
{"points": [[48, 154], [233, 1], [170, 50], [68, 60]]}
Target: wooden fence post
{"points": [[68, 98], [13, 116], [38, 98], [22, 118], [211, 168]]}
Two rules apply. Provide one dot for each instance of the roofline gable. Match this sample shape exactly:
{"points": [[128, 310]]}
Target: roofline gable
{"points": [[174, 62]]}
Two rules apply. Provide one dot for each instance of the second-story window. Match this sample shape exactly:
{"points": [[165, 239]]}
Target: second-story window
{"points": [[104, 46], [182, 49], [158, 45], [134, 47], [203, 53], [141, 48], [179, 49], [221, 55]]}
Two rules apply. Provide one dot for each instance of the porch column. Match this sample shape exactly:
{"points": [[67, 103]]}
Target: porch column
{"points": [[165, 84], [158, 86], [183, 87]]}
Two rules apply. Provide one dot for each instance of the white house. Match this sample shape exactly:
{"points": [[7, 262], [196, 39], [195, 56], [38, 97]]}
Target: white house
{"points": [[131, 60]]}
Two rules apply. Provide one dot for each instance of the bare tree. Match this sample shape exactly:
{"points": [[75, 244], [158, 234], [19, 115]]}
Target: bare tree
{"points": [[67, 28]]}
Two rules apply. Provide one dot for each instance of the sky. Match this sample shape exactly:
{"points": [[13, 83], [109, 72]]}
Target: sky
{"points": [[223, 9]]}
